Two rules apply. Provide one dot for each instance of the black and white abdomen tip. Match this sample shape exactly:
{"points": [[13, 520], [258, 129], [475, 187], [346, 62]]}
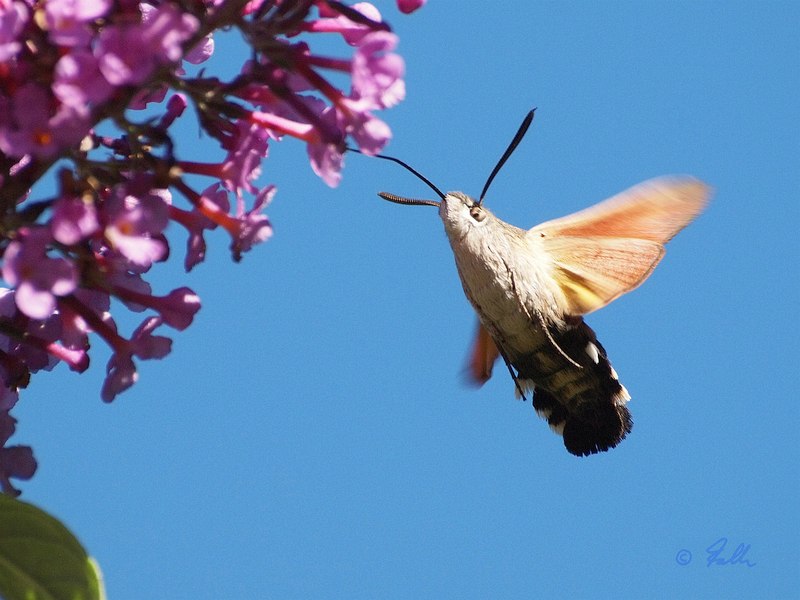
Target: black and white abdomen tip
{"points": [[587, 404]]}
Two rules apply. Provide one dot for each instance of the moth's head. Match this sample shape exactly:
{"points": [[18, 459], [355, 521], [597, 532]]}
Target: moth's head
{"points": [[462, 214]]}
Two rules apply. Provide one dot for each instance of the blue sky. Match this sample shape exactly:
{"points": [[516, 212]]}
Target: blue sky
{"points": [[311, 435]]}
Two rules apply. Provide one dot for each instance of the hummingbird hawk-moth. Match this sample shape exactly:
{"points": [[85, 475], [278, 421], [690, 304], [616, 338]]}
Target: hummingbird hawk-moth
{"points": [[531, 288]]}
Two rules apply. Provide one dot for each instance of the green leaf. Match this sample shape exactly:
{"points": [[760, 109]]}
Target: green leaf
{"points": [[40, 559]]}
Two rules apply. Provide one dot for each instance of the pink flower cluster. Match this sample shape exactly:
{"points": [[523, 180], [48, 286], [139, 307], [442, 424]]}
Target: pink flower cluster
{"points": [[71, 69]]}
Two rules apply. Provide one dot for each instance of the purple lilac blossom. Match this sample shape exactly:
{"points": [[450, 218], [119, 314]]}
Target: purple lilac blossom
{"points": [[82, 63], [13, 16], [73, 220], [15, 461], [133, 227], [409, 6], [377, 72], [78, 81], [38, 278], [67, 20], [29, 126]]}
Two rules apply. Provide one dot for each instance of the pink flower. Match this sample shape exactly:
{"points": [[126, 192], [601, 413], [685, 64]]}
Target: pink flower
{"points": [[327, 161], [325, 154], [13, 371], [378, 72], [124, 57], [121, 370], [120, 375], [67, 20], [247, 228], [13, 17], [15, 461], [177, 309], [167, 27], [246, 149], [129, 53], [34, 340], [81, 64], [145, 345], [196, 223], [31, 345], [120, 273], [201, 52], [247, 145], [38, 278], [74, 327], [8, 396], [409, 6], [29, 126], [253, 227], [148, 95], [351, 31], [78, 82], [370, 133], [175, 107], [73, 220], [134, 224], [327, 158]]}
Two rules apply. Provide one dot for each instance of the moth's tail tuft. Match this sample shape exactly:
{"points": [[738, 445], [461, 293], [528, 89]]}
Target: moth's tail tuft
{"points": [[591, 430], [585, 403]]}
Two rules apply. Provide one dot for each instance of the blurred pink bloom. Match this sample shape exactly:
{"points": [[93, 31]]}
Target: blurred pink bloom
{"points": [[15, 461], [149, 95], [13, 16], [38, 278], [196, 223], [134, 224], [29, 125], [121, 370], [145, 345], [176, 309], [246, 150], [74, 327], [86, 64], [78, 82], [26, 345], [370, 133], [120, 273], [377, 72], [175, 107], [120, 375], [35, 349], [351, 31], [325, 156], [252, 227], [73, 220], [167, 27], [124, 55], [201, 52], [8, 396], [409, 6], [67, 20], [129, 53]]}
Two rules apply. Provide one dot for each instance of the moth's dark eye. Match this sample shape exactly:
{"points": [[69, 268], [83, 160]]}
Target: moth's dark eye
{"points": [[476, 212]]}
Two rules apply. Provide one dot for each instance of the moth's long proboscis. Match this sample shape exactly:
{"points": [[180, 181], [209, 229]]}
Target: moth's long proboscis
{"points": [[523, 128], [400, 200]]}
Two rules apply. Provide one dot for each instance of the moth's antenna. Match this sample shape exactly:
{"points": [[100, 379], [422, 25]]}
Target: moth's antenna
{"points": [[412, 170], [526, 122]]}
